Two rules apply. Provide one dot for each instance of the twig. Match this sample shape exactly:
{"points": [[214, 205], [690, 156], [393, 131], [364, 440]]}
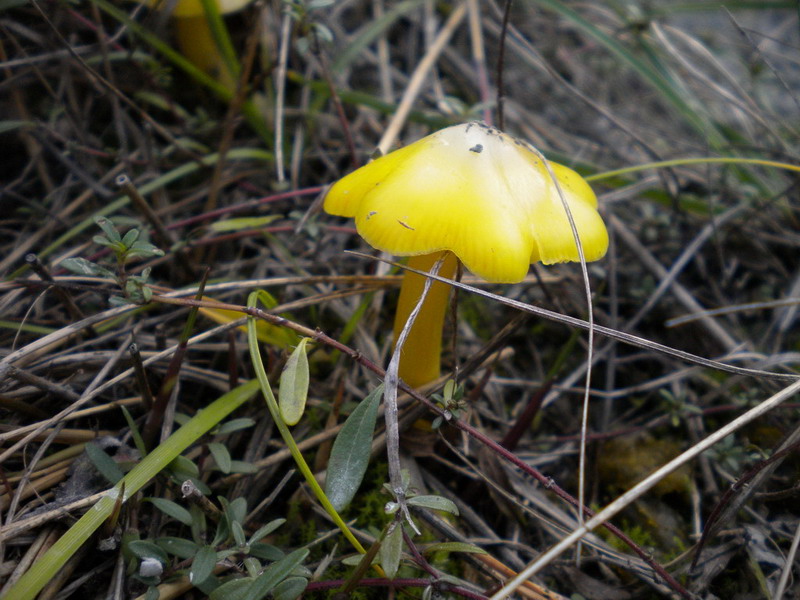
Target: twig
{"points": [[501, 56]]}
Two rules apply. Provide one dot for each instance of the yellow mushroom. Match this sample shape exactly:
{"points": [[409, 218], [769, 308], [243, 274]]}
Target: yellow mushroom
{"points": [[194, 37], [478, 193]]}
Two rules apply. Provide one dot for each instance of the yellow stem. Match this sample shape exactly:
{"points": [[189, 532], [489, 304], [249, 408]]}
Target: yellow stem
{"points": [[197, 43], [421, 353]]}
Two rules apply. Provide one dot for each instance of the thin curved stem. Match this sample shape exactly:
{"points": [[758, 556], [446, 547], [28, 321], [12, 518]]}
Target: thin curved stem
{"points": [[272, 405]]}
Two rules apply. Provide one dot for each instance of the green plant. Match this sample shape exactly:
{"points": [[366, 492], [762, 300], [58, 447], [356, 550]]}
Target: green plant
{"points": [[125, 248], [210, 564]]}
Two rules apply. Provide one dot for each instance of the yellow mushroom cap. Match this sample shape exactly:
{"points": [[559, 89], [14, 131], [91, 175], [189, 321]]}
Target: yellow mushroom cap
{"points": [[194, 8], [477, 192]]}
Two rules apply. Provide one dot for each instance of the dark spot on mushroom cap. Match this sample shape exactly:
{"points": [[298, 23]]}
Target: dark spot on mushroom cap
{"points": [[405, 225], [477, 148]]}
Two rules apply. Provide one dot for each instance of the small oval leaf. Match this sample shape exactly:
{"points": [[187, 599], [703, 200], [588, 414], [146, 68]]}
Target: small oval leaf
{"points": [[235, 425], [276, 573], [290, 589], [453, 547], [105, 465], [265, 530], [351, 449], [203, 565], [391, 550], [433, 502], [221, 456], [81, 266], [293, 392], [146, 549], [238, 224], [235, 589], [178, 546], [168, 507]]}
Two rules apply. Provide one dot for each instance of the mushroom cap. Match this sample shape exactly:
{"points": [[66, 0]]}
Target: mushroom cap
{"points": [[477, 192], [194, 8]]}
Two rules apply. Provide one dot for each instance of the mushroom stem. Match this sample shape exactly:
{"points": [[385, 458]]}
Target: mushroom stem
{"points": [[197, 43], [421, 354]]}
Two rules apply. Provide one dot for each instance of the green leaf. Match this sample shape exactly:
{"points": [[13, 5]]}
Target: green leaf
{"points": [[353, 560], [243, 223], [235, 425], [290, 588], [170, 508], [199, 523], [183, 468], [237, 510], [391, 550], [102, 240], [176, 546], [266, 552], [235, 589], [103, 463], [145, 249], [454, 547], [129, 238], [108, 228], [265, 530], [152, 593], [293, 392], [433, 502], [135, 433], [240, 466], [253, 566], [81, 266], [238, 533], [145, 549], [350, 453], [203, 565], [221, 456], [275, 573]]}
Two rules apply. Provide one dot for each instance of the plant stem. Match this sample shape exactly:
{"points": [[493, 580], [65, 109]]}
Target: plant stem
{"points": [[421, 353]]}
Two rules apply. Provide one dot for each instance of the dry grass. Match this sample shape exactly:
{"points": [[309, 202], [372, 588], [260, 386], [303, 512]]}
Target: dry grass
{"points": [[88, 94]]}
